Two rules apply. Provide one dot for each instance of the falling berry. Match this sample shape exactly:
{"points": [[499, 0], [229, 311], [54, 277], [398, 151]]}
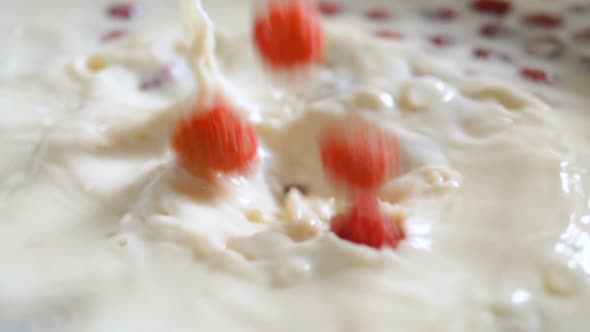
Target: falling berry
{"points": [[542, 20], [289, 34], [536, 75], [358, 154], [365, 224], [123, 11], [496, 7], [214, 138]]}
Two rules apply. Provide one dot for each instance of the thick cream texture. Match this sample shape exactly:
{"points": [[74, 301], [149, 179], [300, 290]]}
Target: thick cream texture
{"points": [[100, 231]]}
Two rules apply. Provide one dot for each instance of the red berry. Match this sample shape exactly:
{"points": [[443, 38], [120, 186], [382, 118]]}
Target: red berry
{"points": [[483, 53], [542, 20], [358, 155], [289, 34], [112, 35], [365, 224], [123, 11], [488, 54], [441, 13], [493, 30], [388, 34], [536, 75], [330, 8], [497, 7], [379, 14], [214, 139], [442, 40]]}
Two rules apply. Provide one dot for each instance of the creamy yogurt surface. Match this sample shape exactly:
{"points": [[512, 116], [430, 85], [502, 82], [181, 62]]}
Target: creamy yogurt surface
{"points": [[101, 231]]}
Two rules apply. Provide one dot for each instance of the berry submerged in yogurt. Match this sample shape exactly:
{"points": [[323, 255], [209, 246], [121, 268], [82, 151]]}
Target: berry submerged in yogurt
{"points": [[365, 224]]}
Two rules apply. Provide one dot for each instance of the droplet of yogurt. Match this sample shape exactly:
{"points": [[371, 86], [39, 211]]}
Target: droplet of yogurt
{"points": [[373, 100], [426, 92]]}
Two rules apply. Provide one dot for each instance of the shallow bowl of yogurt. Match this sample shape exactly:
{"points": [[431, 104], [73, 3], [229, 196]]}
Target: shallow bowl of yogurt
{"points": [[101, 230]]}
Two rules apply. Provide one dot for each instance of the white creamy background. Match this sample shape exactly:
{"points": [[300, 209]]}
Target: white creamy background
{"points": [[99, 231]]}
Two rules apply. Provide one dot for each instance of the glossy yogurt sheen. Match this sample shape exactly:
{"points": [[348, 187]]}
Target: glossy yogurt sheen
{"points": [[101, 231]]}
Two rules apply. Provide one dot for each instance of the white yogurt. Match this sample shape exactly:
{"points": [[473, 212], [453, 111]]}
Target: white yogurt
{"points": [[102, 232]]}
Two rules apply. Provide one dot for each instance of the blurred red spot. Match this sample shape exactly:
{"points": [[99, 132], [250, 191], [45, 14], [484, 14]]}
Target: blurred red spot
{"points": [[330, 8], [388, 34], [549, 46], [494, 30], [496, 7], [379, 14], [122, 11], [489, 54], [542, 20], [441, 13], [112, 35], [442, 40], [157, 79], [358, 154], [536, 75], [482, 53], [365, 224]]}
